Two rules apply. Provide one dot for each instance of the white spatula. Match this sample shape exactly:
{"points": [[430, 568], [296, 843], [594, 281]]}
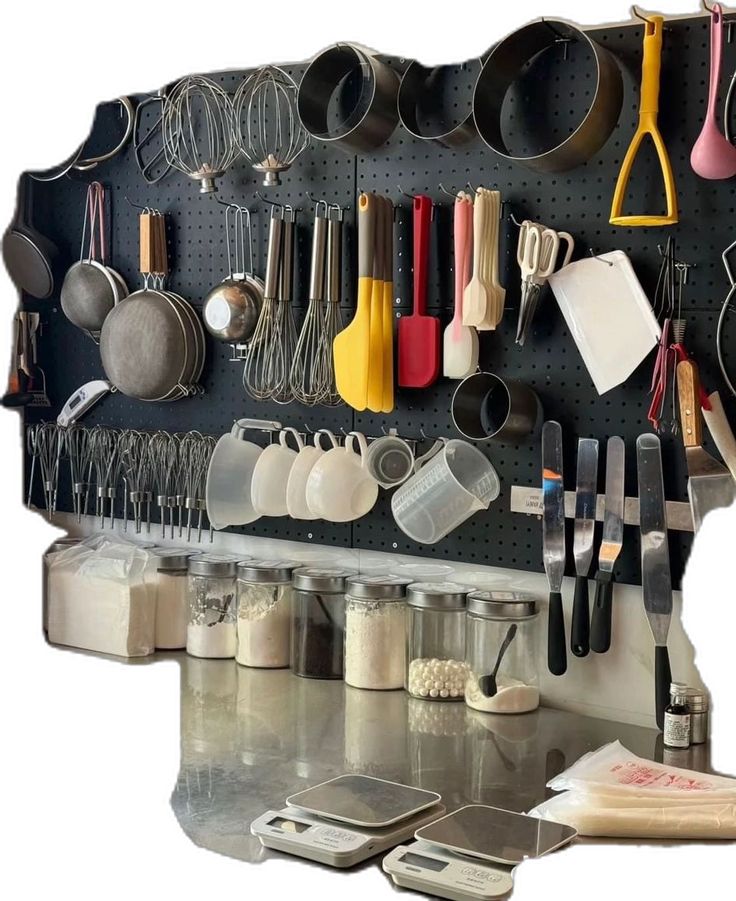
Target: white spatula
{"points": [[460, 350], [475, 298]]}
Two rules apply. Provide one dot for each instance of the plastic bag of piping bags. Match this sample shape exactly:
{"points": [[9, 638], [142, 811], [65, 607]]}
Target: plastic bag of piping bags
{"points": [[588, 814], [101, 598], [614, 770]]}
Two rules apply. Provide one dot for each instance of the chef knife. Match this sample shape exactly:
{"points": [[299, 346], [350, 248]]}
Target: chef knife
{"points": [[710, 485], [586, 496], [611, 544], [655, 562], [553, 543]]}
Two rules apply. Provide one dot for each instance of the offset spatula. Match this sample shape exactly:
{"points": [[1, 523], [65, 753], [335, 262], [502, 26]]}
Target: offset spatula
{"points": [[655, 562], [613, 540], [586, 496], [553, 543], [710, 485]]}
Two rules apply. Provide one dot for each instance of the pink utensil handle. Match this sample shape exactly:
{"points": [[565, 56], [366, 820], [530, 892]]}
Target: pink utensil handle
{"points": [[716, 56], [422, 222], [461, 261]]}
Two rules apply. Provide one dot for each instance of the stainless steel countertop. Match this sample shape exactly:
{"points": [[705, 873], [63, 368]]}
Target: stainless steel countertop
{"points": [[250, 738]]}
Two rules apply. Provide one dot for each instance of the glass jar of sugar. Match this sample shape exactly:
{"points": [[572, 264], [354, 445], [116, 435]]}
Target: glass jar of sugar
{"points": [[211, 631], [435, 655], [172, 600], [318, 622], [502, 652], [375, 631], [264, 613]]}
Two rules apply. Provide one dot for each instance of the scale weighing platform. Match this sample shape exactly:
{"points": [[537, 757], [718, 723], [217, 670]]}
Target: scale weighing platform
{"points": [[471, 853], [347, 820]]}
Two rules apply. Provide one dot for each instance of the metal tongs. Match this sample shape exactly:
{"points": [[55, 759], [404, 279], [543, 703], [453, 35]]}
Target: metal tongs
{"points": [[537, 254]]}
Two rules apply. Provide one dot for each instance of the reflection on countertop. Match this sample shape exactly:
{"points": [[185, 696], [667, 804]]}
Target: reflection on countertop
{"points": [[250, 738]]}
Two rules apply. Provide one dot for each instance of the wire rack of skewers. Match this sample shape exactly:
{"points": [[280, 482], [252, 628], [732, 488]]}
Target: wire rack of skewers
{"points": [[110, 468]]}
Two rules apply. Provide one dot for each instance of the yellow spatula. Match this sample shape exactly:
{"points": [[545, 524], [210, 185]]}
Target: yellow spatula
{"points": [[375, 347], [351, 345], [388, 309]]}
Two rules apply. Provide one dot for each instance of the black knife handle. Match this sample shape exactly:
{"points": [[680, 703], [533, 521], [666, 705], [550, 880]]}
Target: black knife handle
{"points": [[662, 682], [556, 644], [580, 628], [600, 627]]}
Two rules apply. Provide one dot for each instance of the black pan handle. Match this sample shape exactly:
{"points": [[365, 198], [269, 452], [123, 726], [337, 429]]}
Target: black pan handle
{"points": [[600, 628], [556, 644], [580, 628], [662, 681]]}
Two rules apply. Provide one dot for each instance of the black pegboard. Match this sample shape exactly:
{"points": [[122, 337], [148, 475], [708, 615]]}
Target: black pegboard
{"points": [[556, 88]]}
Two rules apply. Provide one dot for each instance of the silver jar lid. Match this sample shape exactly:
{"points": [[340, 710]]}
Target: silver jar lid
{"points": [[437, 595], [62, 544], [377, 588], [217, 565], [697, 700], [329, 580], [169, 559], [265, 571], [502, 604]]}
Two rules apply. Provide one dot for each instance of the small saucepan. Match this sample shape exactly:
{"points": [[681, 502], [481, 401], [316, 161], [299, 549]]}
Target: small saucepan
{"points": [[486, 407]]}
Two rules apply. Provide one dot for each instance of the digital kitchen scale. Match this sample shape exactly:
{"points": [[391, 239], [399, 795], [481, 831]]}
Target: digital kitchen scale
{"points": [[471, 853], [347, 820]]}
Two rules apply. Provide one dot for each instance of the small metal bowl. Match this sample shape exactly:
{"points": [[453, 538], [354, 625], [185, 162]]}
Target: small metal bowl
{"points": [[231, 310]]}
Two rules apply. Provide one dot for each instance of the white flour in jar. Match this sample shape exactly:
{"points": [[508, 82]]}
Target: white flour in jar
{"points": [[264, 622], [214, 640], [375, 645], [512, 696]]}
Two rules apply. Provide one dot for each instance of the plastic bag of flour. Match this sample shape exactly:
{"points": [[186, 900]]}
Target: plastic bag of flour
{"points": [[614, 770], [590, 815], [100, 598]]}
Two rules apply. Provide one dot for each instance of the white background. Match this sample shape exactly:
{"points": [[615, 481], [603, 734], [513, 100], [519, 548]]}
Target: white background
{"points": [[89, 750]]}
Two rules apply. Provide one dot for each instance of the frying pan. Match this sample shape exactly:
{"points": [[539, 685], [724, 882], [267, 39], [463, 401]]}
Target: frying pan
{"points": [[152, 344], [29, 257]]}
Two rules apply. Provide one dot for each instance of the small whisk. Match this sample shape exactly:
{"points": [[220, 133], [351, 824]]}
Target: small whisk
{"points": [[79, 450], [307, 375], [333, 313], [268, 130], [107, 463], [196, 450], [284, 332], [163, 450], [257, 373], [48, 443], [136, 467]]}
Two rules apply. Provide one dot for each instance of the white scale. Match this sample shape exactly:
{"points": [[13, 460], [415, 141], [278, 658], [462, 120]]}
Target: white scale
{"points": [[347, 820], [472, 853]]}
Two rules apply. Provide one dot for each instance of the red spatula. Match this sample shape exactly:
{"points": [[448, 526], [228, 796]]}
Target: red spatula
{"points": [[419, 334]]}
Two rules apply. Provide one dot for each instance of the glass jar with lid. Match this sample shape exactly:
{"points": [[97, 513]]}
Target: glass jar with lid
{"points": [[172, 600], [502, 652], [211, 631], [264, 613], [435, 655], [318, 622], [375, 631]]}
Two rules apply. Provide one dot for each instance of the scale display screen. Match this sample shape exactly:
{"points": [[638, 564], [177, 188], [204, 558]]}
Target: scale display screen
{"points": [[494, 834], [425, 863], [289, 825]]}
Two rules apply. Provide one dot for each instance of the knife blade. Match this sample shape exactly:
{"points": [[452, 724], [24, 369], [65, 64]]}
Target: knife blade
{"points": [[553, 543], [655, 562], [611, 545], [586, 496]]}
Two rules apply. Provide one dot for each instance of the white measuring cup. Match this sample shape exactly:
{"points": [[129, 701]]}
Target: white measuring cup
{"points": [[229, 478], [445, 491]]}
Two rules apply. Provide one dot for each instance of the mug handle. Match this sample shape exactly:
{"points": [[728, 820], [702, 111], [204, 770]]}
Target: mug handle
{"points": [[284, 434], [318, 440], [432, 452], [362, 444]]}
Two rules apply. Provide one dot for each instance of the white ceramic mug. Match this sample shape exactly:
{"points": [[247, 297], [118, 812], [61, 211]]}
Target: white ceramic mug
{"points": [[340, 488], [229, 478], [271, 475], [296, 488]]}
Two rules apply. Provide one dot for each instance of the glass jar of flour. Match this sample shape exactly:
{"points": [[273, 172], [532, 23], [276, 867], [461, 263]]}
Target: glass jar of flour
{"points": [[502, 652], [436, 668], [172, 601], [264, 613], [211, 586], [375, 631]]}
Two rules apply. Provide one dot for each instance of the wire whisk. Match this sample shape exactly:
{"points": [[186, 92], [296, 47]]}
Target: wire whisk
{"points": [[107, 465], [307, 376], [135, 463], [79, 451], [196, 450], [164, 453], [333, 314], [45, 443]]}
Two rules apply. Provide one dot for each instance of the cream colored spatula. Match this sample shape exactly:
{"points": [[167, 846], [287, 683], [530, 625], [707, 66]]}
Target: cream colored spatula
{"points": [[475, 298], [460, 349]]}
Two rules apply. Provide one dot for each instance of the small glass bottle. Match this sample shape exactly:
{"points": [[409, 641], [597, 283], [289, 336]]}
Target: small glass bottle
{"points": [[264, 613], [677, 718], [435, 655], [211, 586], [172, 601], [318, 622]]}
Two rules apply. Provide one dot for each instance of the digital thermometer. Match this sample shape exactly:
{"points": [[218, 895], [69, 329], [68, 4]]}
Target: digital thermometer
{"points": [[82, 399]]}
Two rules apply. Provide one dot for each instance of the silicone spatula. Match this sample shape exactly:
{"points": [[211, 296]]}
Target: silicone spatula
{"points": [[351, 345], [419, 334], [460, 346], [374, 398], [388, 311]]}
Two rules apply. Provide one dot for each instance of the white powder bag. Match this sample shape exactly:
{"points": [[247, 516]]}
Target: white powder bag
{"points": [[100, 599]]}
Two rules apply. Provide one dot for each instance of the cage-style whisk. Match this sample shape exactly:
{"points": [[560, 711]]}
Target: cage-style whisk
{"points": [[197, 128], [268, 130]]}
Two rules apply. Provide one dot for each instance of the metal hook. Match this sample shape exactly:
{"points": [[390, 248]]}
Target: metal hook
{"points": [[643, 18], [339, 210], [594, 257], [137, 206], [402, 191]]}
